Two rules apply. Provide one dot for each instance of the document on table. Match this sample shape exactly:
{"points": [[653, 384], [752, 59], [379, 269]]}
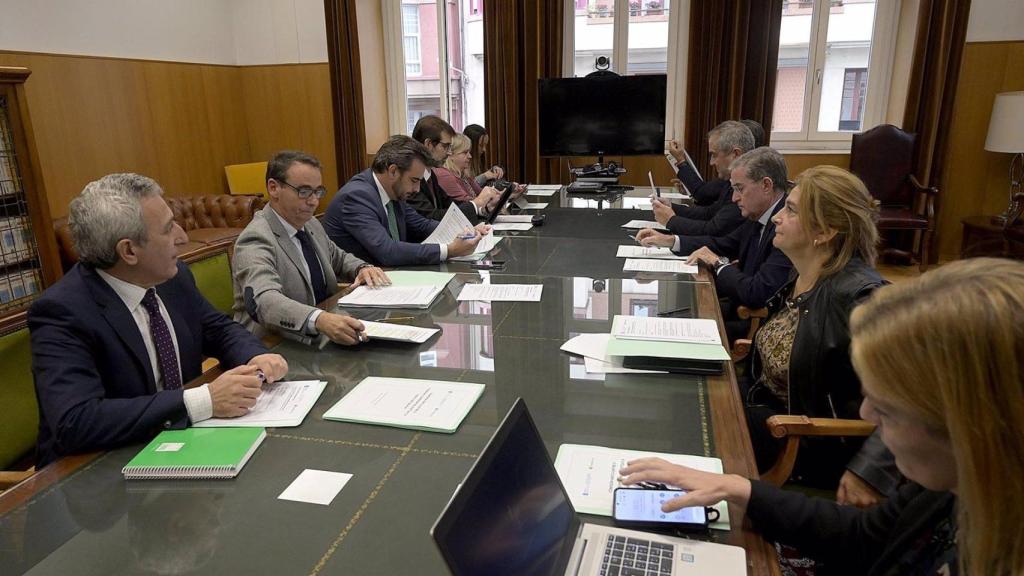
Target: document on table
{"points": [[501, 292], [315, 487], [430, 405], [660, 252], [392, 296], [451, 226], [398, 332], [543, 190], [641, 224], [673, 196], [525, 205], [282, 404], [590, 474], [505, 226], [595, 366], [517, 219], [690, 330], [595, 358], [655, 265]]}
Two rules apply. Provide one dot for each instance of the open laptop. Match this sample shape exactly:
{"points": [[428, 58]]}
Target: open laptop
{"points": [[511, 515]]}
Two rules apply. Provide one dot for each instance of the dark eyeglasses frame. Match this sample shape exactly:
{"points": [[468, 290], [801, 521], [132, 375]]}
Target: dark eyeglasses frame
{"points": [[304, 192]]}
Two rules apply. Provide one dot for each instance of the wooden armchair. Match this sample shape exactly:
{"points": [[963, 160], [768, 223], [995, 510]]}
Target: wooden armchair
{"points": [[883, 158], [18, 397], [793, 428], [741, 347]]}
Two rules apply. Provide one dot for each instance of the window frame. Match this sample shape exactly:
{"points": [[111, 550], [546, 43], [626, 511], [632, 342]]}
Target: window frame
{"points": [[418, 36], [880, 64]]}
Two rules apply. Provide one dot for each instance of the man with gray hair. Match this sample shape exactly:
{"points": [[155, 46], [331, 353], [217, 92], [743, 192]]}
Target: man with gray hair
{"points": [[370, 216], [115, 339], [714, 213], [748, 268]]}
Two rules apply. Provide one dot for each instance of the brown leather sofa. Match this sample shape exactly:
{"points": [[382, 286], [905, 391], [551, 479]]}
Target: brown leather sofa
{"points": [[208, 220]]}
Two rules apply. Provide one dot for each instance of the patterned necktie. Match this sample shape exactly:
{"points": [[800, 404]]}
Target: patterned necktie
{"points": [[161, 335], [316, 274], [392, 221]]}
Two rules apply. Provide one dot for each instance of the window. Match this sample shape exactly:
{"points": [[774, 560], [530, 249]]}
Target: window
{"points": [[440, 68], [833, 70]]}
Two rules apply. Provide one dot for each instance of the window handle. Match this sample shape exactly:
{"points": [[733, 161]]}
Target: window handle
{"points": [[817, 76]]}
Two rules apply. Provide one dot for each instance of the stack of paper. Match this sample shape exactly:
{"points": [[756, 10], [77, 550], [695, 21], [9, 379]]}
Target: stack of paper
{"points": [[522, 203], [543, 189], [641, 224], [280, 405], [501, 292], [590, 475], [506, 226], [656, 265], [430, 405], [510, 219], [407, 290], [682, 338], [594, 349], [659, 252], [398, 332]]}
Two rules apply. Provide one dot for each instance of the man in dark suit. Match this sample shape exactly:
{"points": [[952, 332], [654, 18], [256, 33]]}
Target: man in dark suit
{"points": [[432, 200], [116, 338], [748, 268], [370, 218], [714, 214]]}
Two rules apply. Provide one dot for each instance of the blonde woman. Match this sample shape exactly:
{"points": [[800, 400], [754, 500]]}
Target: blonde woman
{"points": [[939, 361], [455, 177], [801, 361]]}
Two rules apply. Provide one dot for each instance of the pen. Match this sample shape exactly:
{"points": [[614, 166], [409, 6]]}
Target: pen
{"points": [[397, 319], [676, 311], [631, 237], [467, 236]]}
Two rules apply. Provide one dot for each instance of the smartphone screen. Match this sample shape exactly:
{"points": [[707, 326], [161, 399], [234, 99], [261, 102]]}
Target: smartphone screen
{"points": [[645, 506]]}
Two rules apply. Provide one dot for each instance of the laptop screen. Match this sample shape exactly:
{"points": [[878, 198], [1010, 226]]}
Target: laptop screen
{"points": [[511, 514]]}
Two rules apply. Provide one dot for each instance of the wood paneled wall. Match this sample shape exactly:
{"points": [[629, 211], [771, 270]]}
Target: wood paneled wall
{"points": [[179, 123], [977, 181]]}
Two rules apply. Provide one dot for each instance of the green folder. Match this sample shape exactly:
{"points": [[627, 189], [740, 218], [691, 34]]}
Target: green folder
{"points": [[195, 453], [683, 350], [419, 278]]}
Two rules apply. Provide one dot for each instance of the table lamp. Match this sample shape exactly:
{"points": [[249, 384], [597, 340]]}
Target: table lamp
{"points": [[1006, 134]]}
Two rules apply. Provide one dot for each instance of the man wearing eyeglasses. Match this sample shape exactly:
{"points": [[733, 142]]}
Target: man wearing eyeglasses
{"points": [[284, 263]]}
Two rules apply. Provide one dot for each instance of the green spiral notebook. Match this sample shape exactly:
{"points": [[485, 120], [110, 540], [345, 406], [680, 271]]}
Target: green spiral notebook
{"points": [[195, 453]]}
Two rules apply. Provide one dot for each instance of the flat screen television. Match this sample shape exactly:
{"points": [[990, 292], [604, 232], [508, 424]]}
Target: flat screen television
{"points": [[602, 115]]}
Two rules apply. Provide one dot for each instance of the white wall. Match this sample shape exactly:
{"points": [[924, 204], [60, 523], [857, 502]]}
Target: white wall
{"points": [[232, 32], [996, 20]]}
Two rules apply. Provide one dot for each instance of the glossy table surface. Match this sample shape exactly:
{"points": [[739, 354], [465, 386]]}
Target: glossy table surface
{"points": [[81, 517]]}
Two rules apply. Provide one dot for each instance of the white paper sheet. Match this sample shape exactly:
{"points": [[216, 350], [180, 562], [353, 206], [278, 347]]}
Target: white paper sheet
{"points": [[590, 475], [505, 226], [280, 405], [659, 252], [501, 292], [641, 224], [391, 297], [544, 192], [315, 487], [516, 219], [555, 187], [656, 265], [588, 346], [692, 330], [525, 205], [398, 332], [595, 366], [452, 225], [673, 196], [407, 403]]}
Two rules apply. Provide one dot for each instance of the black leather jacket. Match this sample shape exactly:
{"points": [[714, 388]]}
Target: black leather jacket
{"points": [[822, 383]]}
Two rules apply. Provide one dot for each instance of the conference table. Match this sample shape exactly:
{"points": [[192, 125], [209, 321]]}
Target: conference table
{"points": [[79, 516]]}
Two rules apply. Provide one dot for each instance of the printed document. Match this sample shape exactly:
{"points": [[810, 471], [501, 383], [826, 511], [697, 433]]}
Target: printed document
{"points": [[647, 252], [641, 224], [536, 187], [451, 226], [504, 226], [501, 292], [398, 332], [590, 475], [690, 330], [510, 219], [280, 405], [431, 405], [391, 297], [525, 205], [655, 265]]}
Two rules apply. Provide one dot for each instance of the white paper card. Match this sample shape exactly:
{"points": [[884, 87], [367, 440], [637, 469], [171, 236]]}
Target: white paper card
{"points": [[281, 404], [516, 219], [501, 292], [641, 224], [432, 405], [588, 346], [691, 330], [656, 265], [590, 475], [398, 332], [505, 226], [659, 252], [525, 205], [315, 487]]}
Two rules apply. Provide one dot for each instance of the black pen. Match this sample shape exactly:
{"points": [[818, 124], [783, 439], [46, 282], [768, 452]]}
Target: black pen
{"points": [[676, 311], [631, 237]]}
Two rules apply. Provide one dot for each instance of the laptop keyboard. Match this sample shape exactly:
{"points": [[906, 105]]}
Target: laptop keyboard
{"points": [[636, 557]]}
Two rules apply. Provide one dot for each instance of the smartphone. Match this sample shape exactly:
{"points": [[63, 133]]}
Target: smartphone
{"points": [[641, 508], [487, 265]]}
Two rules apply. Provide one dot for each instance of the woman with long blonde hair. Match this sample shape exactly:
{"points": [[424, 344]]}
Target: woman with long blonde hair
{"points": [[939, 361]]}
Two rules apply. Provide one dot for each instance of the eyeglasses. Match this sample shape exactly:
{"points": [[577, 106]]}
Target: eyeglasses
{"points": [[446, 146], [305, 192]]}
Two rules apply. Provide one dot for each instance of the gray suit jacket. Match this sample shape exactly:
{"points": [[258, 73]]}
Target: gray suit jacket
{"points": [[272, 293]]}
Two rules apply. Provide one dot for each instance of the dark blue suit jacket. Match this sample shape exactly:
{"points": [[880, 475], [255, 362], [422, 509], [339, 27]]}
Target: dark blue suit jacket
{"points": [[358, 223], [92, 373], [716, 219], [762, 268], [704, 192]]}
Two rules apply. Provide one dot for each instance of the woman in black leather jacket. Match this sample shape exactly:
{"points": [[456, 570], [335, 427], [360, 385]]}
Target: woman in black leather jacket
{"points": [[801, 357]]}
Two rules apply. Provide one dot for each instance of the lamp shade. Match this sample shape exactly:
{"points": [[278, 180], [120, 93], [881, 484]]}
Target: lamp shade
{"points": [[1006, 128]]}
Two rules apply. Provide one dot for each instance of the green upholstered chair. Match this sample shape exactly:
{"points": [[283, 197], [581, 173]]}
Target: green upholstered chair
{"points": [[211, 268], [19, 426]]}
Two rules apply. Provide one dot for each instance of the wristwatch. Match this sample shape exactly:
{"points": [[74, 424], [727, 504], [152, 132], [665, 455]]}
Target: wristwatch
{"points": [[722, 262]]}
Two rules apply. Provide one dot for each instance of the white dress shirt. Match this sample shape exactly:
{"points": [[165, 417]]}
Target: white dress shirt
{"points": [[293, 236], [197, 400], [384, 199]]}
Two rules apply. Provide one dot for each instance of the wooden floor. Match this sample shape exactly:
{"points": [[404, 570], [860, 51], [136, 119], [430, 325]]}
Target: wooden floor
{"points": [[894, 273]]}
